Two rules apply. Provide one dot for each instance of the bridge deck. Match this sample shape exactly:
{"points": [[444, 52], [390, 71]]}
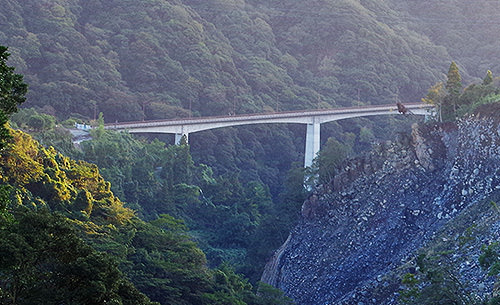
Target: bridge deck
{"points": [[262, 116]]}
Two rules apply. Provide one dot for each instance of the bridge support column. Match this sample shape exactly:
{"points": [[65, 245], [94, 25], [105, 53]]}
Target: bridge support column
{"points": [[178, 137], [312, 142]]}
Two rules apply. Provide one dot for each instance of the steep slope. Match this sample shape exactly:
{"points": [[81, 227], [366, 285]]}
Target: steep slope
{"points": [[65, 238], [159, 59], [382, 208], [466, 29], [349, 50]]}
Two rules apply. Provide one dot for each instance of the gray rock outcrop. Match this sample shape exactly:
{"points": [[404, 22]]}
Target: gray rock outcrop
{"points": [[381, 208]]}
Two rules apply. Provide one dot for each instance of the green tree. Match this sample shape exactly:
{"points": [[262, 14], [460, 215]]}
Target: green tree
{"points": [[99, 130], [44, 261], [454, 87], [488, 79], [332, 154], [36, 122], [454, 81], [12, 94], [435, 96]]}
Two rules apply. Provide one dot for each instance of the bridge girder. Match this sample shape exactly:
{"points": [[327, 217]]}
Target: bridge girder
{"points": [[313, 119]]}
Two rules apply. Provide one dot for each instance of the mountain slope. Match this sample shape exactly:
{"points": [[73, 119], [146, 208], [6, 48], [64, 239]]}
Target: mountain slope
{"points": [[383, 208], [159, 59]]}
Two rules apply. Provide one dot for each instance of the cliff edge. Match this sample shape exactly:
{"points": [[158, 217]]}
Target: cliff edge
{"points": [[358, 232]]}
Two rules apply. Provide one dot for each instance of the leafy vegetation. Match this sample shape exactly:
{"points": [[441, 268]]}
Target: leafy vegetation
{"points": [[435, 283], [12, 91], [43, 261], [66, 238], [159, 257], [452, 102], [154, 59], [228, 215], [435, 276]]}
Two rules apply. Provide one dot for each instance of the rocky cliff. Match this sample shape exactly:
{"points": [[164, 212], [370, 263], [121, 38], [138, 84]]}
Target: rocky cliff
{"points": [[359, 233]]}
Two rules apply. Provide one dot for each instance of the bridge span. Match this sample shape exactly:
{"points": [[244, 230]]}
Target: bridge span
{"points": [[312, 118]]}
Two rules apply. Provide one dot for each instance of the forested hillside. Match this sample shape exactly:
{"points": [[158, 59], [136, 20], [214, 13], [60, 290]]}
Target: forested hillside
{"points": [[466, 29], [160, 59], [66, 238]]}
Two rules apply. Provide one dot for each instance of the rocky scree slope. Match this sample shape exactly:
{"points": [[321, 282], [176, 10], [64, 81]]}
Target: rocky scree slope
{"points": [[382, 208]]}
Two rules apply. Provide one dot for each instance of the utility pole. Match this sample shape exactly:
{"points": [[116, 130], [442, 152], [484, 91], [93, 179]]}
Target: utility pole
{"points": [[143, 110]]}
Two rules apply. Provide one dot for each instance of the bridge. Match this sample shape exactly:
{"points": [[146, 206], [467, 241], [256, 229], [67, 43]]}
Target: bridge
{"points": [[312, 118]]}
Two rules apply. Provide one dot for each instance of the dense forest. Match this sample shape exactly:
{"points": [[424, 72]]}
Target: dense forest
{"points": [[237, 190], [65, 238], [162, 59]]}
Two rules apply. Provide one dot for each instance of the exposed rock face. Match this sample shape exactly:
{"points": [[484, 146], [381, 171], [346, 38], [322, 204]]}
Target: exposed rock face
{"points": [[381, 209]]}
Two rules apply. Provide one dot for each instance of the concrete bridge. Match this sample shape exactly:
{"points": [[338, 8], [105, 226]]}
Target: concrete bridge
{"points": [[313, 119]]}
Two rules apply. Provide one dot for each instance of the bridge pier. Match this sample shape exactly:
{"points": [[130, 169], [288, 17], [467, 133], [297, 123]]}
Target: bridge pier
{"points": [[178, 137], [312, 142]]}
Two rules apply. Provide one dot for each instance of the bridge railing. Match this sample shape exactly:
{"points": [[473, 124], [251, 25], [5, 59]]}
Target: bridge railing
{"points": [[253, 116]]}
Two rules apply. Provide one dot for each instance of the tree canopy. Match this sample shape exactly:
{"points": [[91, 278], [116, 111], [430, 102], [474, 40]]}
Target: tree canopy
{"points": [[158, 59], [12, 93]]}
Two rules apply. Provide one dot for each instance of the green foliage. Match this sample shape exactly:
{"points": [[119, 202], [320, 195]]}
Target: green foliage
{"points": [[329, 158], [488, 79], [12, 87], [490, 259], [366, 135], [5, 201], [412, 292], [59, 181], [453, 103], [229, 218], [98, 131], [435, 282], [167, 266], [435, 96], [12, 94], [43, 261], [453, 87], [454, 80], [272, 296], [231, 289], [470, 108], [157, 59], [29, 118]]}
